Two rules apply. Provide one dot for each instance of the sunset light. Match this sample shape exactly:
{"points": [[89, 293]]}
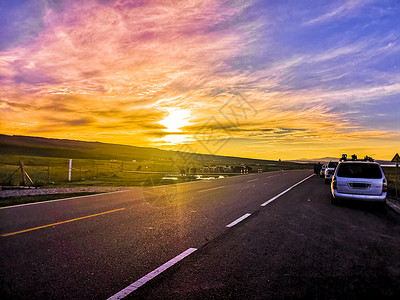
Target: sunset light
{"points": [[271, 79], [175, 120]]}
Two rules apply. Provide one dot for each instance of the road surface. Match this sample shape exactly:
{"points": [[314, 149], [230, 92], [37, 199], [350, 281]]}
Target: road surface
{"points": [[298, 245]]}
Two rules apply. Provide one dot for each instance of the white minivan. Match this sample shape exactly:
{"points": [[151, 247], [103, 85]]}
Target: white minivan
{"points": [[322, 172], [359, 180], [330, 170]]}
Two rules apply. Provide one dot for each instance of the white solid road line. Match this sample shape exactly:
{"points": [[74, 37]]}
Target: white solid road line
{"points": [[285, 191], [238, 220], [62, 199], [138, 283]]}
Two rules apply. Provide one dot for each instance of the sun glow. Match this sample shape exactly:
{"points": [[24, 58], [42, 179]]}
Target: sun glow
{"points": [[176, 119], [174, 139]]}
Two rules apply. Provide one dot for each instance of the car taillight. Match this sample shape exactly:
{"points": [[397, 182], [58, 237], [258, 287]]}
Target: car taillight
{"points": [[334, 183], [384, 186]]}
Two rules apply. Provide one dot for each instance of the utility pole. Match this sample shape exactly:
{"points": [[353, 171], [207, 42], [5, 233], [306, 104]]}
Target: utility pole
{"points": [[397, 177], [396, 159]]}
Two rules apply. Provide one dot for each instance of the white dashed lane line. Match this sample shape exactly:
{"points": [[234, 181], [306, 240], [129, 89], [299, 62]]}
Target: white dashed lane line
{"points": [[138, 283], [285, 191], [238, 220]]}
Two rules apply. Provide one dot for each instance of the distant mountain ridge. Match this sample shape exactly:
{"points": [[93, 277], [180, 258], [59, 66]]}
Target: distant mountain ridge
{"points": [[328, 159], [315, 160], [37, 146], [63, 148]]}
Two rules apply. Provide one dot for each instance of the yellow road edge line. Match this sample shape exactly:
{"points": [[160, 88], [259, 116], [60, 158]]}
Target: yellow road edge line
{"points": [[59, 223], [219, 187], [253, 180]]}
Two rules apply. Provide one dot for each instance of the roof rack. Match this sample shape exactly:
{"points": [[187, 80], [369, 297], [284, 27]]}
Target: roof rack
{"points": [[354, 158]]}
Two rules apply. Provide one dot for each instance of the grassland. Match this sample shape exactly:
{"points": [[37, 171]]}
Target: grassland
{"points": [[390, 173], [53, 172], [99, 164]]}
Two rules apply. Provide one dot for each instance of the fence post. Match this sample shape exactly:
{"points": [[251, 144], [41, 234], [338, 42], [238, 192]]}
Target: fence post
{"points": [[69, 170], [23, 172]]}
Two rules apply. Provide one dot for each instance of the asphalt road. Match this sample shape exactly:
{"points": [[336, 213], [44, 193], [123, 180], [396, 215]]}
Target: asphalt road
{"points": [[296, 246]]}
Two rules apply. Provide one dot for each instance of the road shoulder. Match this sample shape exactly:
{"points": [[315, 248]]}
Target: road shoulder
{"points": [[393, 204]]}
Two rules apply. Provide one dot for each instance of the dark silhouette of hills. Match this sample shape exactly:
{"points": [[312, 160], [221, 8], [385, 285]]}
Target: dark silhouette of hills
{"points": [[62, 148]]}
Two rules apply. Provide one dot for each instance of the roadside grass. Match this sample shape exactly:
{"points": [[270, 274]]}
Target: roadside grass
{"points": [[48, 172], [53, 172], [15, 200], [390, 173]]}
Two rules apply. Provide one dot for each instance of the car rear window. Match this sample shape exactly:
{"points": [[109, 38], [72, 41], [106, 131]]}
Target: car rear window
{"points": [[332, 164], [360, 170]]}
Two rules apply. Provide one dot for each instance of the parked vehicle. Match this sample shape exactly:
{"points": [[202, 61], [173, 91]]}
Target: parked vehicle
{"points": [[359, 180], [322, 172], [330, 170]]}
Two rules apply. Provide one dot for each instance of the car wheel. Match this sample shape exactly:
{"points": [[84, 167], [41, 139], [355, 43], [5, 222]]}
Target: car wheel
{"points": [[334, 200]]}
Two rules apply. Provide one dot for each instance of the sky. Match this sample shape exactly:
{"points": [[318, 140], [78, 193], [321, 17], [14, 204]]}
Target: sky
{"points": [[260, 79]]}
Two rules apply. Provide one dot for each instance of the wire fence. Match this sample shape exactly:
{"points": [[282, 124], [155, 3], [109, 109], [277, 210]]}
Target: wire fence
{"points": [[55, 171]]}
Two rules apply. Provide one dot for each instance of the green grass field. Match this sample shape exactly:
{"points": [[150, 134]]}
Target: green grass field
{"points": [[53, 172], [390, 173], [101, 164]]}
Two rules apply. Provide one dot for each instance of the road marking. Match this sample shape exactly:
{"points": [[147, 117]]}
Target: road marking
{"points": [[219, 187], [253, 180], [63, 199], [138, 283], [273, 176], [238, 220], [63, 222], [285, 191]]}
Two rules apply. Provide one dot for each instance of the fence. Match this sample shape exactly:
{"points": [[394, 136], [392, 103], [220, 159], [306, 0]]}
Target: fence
{"points": [[55, 171]]}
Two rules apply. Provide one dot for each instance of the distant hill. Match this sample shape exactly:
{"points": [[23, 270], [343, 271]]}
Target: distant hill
{"points": [[315, 160], [48, 147], [327, 159], [37, 146]]}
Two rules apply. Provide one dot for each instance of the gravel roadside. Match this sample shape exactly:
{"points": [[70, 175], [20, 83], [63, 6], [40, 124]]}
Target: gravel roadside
{"points": [[32, 192]]}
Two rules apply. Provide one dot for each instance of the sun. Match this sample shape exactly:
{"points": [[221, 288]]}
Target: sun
{"points": [[176, 119]]}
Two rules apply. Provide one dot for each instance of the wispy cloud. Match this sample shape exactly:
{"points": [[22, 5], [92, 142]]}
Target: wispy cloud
{"points": [[342, 10]]}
